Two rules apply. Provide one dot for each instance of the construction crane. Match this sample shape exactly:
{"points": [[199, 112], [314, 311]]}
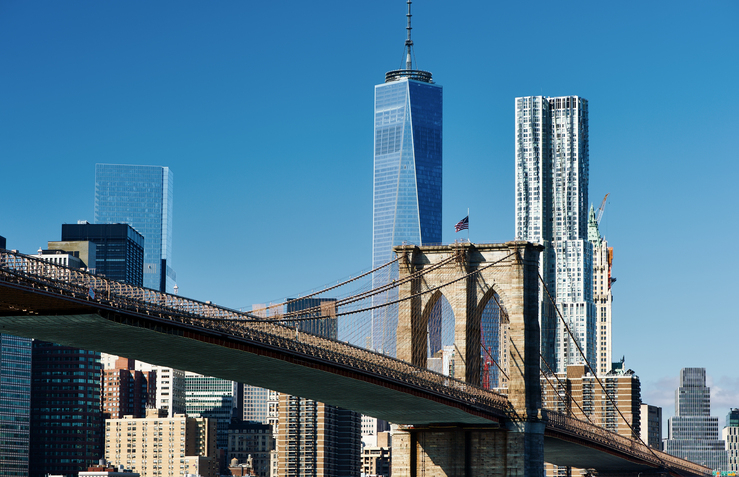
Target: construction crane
{"points": [[601, 209]]}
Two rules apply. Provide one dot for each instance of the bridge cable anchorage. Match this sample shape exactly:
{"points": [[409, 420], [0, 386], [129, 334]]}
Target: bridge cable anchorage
{"points": [[592, 370]]}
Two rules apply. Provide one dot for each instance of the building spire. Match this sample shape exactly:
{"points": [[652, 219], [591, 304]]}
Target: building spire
{"points": [[408, 41], [408, 71]]}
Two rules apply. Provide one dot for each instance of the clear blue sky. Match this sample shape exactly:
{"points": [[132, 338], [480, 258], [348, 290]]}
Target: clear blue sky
{"points": [[263, 110]]}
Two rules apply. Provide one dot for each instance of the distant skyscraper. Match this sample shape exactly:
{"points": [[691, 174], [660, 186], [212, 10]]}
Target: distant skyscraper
{"points": [[602, 296], [407, 175], [730, 435], [142, 197], [692, 433], [15, 402], [552, 163]]}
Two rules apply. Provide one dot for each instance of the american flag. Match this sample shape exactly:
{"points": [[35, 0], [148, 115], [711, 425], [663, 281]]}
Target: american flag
{"points": [[463, 224]]}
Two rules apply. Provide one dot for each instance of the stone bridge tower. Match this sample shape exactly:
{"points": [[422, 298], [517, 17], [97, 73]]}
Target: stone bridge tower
{"points": [[475, 274]]}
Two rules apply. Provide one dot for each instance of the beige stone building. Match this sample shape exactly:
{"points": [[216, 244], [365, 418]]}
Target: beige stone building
{"points": [[602, 296], [579, 394], [160, 446]]}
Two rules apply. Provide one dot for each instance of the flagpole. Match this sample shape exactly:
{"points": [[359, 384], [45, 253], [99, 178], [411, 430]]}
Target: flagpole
{"points": [[468, 225]]}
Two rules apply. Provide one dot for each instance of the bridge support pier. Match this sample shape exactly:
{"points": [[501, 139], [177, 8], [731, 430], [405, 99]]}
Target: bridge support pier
{"points": [[468, 452]]}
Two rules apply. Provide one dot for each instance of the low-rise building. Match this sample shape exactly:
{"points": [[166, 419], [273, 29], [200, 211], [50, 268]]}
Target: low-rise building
{"points": [[250, 442], [376, 460]]}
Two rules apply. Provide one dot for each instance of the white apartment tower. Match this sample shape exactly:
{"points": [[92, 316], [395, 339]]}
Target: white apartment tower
{"points": [[552, 164]]}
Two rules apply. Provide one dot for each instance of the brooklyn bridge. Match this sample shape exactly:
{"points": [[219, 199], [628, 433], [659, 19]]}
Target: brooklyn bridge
{"points": [[483, 416]]}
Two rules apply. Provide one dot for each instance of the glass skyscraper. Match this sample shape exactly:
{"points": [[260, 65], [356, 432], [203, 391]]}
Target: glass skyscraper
{"points": [[140, 196], [15, 402], [692, 433], [552, 169], [407, 176]]}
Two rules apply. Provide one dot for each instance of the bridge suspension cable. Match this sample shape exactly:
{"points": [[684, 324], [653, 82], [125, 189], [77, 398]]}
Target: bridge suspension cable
{"points": [[635, 435]]}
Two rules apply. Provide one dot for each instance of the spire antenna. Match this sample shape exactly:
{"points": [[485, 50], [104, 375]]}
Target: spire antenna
{"points": [[408, 42]]}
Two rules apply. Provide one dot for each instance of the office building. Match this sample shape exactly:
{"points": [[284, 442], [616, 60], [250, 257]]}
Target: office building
{"points": [[250, 442], [692, 433], [126, 391], [730, 436], [407, 177], [119, 249], [217, 399], [651, 426], [162, 446], [551, 165], [602, 296], [66, 420], [15, 404], [59, 257], [371, 428], [140, 196]]}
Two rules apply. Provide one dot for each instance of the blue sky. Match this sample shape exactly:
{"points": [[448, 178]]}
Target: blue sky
{"points": [[263, 110]]}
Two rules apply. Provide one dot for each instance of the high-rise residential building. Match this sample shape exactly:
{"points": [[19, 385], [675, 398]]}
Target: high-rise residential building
{"points": [[552, 162], [578, 393], [730, 436], [162, 446], [15, 404], [119, 249], [602, 295], [217, 399], [407, 176], [651, 426], [126, 391], [692, 433], [66, 419], [315, 439], [140, 196]]}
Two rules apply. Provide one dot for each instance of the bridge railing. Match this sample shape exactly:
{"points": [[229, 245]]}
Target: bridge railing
{"points": [[53, 278], [634, 447]]}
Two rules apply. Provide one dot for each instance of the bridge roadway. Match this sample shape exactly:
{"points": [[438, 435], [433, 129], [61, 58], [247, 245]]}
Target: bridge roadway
{"points": [[76, 309]]}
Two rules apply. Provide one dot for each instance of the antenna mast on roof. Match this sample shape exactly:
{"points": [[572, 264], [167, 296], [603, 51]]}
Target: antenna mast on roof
{"points": [[408, 42]]}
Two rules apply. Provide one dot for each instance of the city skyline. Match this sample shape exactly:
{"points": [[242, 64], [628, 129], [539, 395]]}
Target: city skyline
{"points": [[181, 93]]}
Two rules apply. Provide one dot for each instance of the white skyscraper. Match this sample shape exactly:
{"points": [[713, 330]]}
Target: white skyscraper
{"points": [[551, 209]]}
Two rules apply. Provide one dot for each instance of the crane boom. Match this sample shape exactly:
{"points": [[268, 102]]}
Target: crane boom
{"points": [[601, 209]]}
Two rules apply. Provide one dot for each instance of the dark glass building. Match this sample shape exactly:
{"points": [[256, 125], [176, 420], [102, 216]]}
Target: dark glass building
{"points": [[120, 249], [66, 419], [15, 398]]}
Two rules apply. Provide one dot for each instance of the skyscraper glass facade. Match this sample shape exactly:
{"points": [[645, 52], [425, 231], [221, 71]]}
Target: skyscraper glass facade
{"points": [[692, 433], [552, 168], [66, 418], [15, 401], [407, 181], [213, 398], [142, 197]]}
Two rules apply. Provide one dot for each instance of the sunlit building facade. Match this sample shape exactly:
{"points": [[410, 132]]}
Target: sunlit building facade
{"points": [[552, 168], [140, 196], [692, 433]]}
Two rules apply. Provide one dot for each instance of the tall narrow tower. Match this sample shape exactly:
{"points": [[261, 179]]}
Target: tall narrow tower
{"points": [[407, 174], [552, 161]]}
